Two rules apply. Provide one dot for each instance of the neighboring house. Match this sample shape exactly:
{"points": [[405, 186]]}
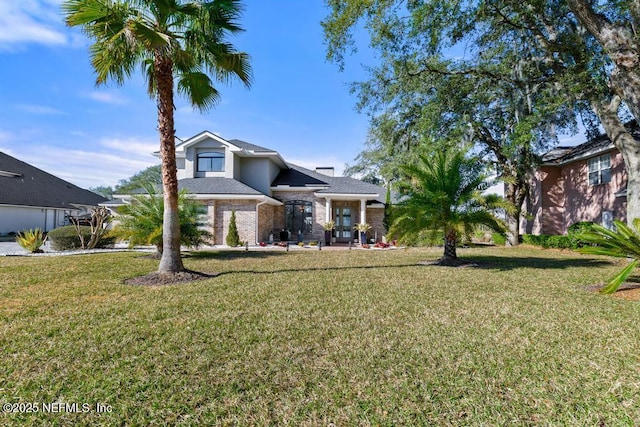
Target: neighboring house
{"points": [[587, 182], [32, 198], [273, 199]]}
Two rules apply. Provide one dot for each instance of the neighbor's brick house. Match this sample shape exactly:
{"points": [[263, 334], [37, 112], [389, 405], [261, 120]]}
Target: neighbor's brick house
{"points": [[587, 182], [270, 195]]}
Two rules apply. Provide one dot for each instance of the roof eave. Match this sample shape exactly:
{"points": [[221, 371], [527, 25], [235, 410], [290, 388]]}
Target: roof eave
{"points": [[260, 197], [583, 156], [348, 196], [297, 187]]}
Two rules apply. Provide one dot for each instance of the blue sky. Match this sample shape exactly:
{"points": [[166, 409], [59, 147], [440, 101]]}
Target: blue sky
{"points": [[55, 118]]}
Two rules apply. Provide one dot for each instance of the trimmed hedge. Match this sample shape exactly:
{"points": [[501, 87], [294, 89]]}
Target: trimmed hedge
{"points": [[570, 241], [66, 238], [546, 241]]}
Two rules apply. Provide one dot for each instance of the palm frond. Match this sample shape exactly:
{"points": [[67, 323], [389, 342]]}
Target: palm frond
{"points": [[197, 87], [624, 242], [614, 283]]}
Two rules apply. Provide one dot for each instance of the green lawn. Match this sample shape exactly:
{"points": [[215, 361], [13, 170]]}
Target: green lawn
{"points": [[314, 338]]}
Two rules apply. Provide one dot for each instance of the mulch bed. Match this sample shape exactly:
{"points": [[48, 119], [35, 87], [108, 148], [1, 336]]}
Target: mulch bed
{"points": [[161, 279]]}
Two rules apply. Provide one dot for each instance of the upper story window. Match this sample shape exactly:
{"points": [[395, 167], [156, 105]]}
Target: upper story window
{"points": [[600, 169], [211, 161]]}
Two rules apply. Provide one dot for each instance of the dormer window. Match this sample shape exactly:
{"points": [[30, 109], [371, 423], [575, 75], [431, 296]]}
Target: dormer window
{"points": [[211, 161]]}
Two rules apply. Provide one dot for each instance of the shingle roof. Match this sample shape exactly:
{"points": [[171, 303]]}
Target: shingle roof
{"points": [[599, 144], [248, 146], [298, 176], [216, 186], [556, 153], [211, 185], [26, 185]]}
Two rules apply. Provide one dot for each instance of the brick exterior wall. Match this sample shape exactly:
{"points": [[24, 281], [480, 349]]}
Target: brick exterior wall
{"points": [[562, 196], [266, 215], [245, 220], [318, 208], [271, 218], [375, 217]]}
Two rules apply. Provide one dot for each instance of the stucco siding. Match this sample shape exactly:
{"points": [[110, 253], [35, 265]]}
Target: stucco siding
{"points": [[14, 219], [257, 174]]}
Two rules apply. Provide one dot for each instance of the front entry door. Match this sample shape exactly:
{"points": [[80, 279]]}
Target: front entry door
{"points": [[344, 225]]}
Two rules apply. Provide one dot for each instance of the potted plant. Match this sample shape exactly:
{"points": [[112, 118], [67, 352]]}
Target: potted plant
{"points": [[328, 231], [362, 232]]}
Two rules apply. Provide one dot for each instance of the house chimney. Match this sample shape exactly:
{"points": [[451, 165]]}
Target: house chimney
{"points": [[328, 171]]}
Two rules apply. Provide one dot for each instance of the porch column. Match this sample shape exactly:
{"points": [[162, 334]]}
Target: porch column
{"points": [[327, 214], [363, 211]]}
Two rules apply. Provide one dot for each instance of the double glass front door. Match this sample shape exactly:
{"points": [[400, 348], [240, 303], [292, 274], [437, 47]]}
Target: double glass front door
{"points": [[344, 224]]}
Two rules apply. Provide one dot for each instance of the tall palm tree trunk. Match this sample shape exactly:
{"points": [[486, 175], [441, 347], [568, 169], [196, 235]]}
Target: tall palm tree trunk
{"points": [[170, 262]]}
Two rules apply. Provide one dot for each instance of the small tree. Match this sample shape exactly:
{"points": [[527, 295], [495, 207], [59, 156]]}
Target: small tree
{"points": [[100, 219], [233, 238], [442, 197]]}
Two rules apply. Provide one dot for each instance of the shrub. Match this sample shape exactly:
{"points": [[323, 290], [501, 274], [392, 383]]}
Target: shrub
{"points": [[66, 238], [578, 229], [499, 239], [233, 238], [549, 242], [141, 221], [31, 240]]}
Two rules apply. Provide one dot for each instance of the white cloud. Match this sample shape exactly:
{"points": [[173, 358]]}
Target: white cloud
{"points": [[31, 21], [90, 169], [132, 145], [107, 163], [107, 98], [39, 109]]}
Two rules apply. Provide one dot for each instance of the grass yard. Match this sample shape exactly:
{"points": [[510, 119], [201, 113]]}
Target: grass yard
{"points": [[319, 338]]}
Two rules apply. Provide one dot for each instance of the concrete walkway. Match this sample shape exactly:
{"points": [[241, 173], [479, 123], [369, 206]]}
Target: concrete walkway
{"points": [[11, 248]]}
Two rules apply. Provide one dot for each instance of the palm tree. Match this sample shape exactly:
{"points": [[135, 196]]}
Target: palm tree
{"points": [[169, 39], [140, 222], [442, 197], [624, 242]]}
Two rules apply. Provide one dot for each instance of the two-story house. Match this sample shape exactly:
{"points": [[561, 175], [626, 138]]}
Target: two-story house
{"points": [[271, 196], [587, 182]]}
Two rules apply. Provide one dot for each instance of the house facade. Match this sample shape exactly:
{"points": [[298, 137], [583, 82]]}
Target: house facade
{"points": [[587, 182], [32, 198], [272, 199]]}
